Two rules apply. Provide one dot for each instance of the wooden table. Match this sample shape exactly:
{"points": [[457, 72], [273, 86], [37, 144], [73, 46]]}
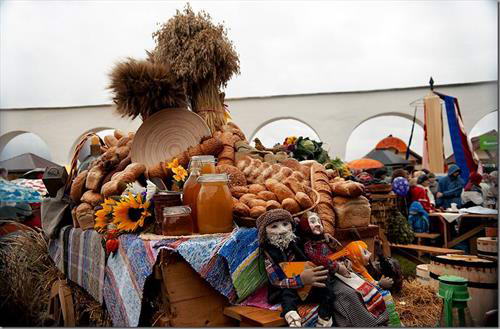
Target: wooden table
{"points": [[482, 220]]}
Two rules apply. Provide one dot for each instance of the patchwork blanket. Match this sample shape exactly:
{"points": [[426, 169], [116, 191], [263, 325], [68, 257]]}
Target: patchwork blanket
{"points": [[81, 257]]}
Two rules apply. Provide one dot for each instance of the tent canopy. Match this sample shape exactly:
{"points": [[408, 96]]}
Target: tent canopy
{"points": [[26, 162], [387, 157]]}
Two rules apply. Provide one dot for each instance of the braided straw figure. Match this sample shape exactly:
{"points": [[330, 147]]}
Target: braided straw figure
{"points": [[282, 252], [202, 58]]}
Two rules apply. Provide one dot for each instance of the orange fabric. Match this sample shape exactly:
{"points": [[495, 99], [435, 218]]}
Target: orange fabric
{"points": [[353, 251], [393, 142]]}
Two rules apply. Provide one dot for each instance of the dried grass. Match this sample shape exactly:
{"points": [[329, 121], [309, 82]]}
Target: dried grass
{"points": [[26, 275], [143, 88], [201, 56], [418, 305]]}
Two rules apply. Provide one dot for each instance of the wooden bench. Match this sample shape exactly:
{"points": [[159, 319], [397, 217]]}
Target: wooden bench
{"points": [[250, 316], [421, 236], [426, 249]]}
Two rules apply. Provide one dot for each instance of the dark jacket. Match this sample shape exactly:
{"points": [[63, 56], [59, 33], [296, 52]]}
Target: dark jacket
{"points": [[452, 188]]}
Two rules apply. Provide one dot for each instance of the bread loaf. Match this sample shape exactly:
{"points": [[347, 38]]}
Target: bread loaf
{"points": [[280, 190], [256, 203], [118, 134], [113, 187], [291, 205], [238, 191], [241, 209], [247, 197], [92, 198], [212, 146], [85, 216], [78, 186], [267, 196], [131, 173], [352, 211], [294, 185], [227, 139], [304, 201], [258, 172], [327, 216], [123, 152], [123, 141], [348, 189], [236, 177], [271, 204], [255, 212], [95, 177], [256, 188], [110, 140]]}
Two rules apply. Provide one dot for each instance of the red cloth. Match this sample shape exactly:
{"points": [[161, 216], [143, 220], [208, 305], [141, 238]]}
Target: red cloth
{"points": [[418, 193], [319, 252], [474, 179]]}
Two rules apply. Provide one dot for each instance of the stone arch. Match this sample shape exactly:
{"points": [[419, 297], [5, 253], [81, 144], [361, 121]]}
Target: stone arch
{"points": [[8, 137], [265, 123], [402, 115], [93, 130], [494, 125]]}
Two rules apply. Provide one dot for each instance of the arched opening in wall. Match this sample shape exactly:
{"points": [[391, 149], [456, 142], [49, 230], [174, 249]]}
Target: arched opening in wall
{"points": [[275, 131], [484, 140], [16, 143], [365, 137]]}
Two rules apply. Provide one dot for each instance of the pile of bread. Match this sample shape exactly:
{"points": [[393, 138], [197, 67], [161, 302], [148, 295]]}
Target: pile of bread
{"points": [[106, 176]]}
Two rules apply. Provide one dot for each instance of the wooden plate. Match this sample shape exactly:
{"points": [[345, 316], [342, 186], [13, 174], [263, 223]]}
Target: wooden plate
{"points": [[165, 134]]}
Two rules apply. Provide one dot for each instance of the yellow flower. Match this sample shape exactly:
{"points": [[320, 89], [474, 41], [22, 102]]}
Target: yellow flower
{"points": [[104, 215], [173, 164], [130, 213], [180, 174], [290, 140]]}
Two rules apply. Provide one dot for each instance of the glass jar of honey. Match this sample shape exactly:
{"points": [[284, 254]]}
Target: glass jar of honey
{"points": [[191, 189], [205, 162], [161, 200], [177, 221], [214, 204]]}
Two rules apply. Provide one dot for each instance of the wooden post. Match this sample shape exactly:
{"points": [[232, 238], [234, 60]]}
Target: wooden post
{"points": [[434, 128]]}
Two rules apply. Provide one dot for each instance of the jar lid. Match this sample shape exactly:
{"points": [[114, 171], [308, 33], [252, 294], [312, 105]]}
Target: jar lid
{"points": [[203, 158], [175, 211], [213, 178]]}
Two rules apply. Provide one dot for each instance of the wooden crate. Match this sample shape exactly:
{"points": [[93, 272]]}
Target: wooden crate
{"points": [[188, 300]]}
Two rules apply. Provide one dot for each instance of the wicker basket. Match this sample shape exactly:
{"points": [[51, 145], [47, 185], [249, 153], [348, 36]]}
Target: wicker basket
{"points": [[251, 222]]}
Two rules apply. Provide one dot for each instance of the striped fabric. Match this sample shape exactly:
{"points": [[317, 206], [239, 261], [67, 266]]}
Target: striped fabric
{"points": [[371, 297], [81, 257], [462, 147]]}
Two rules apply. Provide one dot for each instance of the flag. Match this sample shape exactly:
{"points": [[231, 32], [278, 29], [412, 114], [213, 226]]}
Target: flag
{"points": [[465, 157]]}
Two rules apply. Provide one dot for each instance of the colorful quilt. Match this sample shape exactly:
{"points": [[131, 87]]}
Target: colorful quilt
{"points": [[81, 257]]}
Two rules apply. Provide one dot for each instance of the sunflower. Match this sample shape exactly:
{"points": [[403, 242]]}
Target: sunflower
{"points": [[173, 164], [130, 213], [180, 173], [104, 215]]}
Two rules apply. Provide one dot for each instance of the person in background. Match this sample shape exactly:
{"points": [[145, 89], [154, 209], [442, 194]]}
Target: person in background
{"points": [[420, 193], [473, 193], [399, 173], [418, 218], [433, 186], [380, 175], [450, 188], [490, 189], [410, 170], [4, 173]]}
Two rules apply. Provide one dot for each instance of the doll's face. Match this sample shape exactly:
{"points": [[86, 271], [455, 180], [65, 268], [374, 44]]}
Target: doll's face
{"points": [[315, 224], [366, 256], [280, 234]]}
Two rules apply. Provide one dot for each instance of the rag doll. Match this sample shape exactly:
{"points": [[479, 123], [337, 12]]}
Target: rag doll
{"points": [[280, 245], [357, 300]]}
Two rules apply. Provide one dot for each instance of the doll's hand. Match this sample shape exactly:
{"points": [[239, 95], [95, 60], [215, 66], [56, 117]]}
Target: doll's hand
{"points": [[332, 242], [314, 276], [386, 283], [344, 271], [293, 319]]}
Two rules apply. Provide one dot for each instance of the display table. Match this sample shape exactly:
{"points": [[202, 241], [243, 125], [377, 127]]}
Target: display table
{"points": [[482, 221]]}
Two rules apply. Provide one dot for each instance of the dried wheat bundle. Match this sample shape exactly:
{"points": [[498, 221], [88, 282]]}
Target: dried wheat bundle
{"points": [[26, 275], [202, 57], [418, 305], [143, 88]]}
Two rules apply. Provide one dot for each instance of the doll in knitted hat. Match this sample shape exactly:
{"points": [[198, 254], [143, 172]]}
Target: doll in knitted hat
{"points": [[280, 246]]}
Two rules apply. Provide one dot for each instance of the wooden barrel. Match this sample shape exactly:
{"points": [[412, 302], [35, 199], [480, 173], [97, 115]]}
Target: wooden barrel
{"points": [[423, 274], [481, 274], [487, 247]]}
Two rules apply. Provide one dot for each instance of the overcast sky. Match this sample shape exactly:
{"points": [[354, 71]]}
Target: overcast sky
{"points": [[58, 53]]}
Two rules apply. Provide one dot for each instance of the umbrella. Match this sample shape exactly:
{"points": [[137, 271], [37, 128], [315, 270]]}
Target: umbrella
{"points": [[365, 164], [11, 192], [36, 184]]}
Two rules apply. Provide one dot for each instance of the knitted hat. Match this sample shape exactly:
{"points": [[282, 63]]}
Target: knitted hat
{"points": [[269, 217]]}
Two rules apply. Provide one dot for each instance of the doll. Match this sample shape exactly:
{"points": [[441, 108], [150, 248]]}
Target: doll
{"points": [[280, 245], [357, 301]]}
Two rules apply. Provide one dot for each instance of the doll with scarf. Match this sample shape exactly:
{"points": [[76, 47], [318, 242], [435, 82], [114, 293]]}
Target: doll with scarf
{"points": [[279, 245], [357, 301]]}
